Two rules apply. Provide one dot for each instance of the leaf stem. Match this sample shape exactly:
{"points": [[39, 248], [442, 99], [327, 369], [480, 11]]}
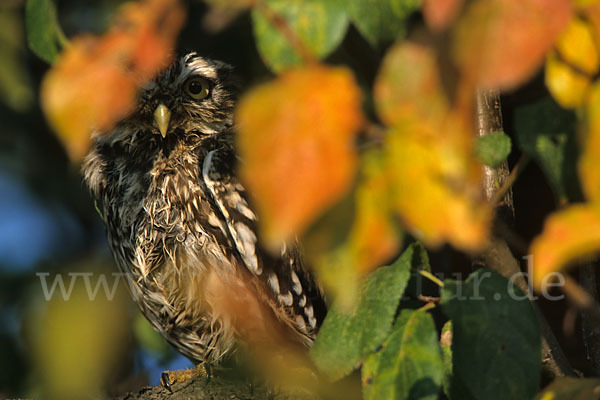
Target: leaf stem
{"points": [[510, 180], [431, 277]]}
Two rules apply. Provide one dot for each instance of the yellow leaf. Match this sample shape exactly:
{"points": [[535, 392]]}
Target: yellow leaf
{"points": [[571, 66], [374, 236], [589, 161], [568, 235], [296, 137], [567, 86], [576, 46], [94, 83], [437, 186], [77, 342]]}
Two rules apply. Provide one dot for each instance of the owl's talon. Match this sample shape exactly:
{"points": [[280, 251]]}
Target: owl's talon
{"points": [[165, 381], [169, 378]]}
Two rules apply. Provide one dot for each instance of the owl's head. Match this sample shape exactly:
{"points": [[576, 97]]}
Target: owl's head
{"points": [[193, 95]]}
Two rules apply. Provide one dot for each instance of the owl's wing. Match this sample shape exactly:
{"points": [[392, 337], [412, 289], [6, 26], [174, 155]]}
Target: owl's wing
{"points": [[292, 287]]}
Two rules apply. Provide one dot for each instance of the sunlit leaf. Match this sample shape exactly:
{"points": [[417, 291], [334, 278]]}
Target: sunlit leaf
{"points": [[42, 28], [296, 137], [568, 236], [502, 43], [437, 186], [319, 25], [496, 346], [568, 388], [589, 162], [572, 65], [95, 80], [348, 335], [547, 133], [567, 85], [374, 237], [439, 14], [493, 149], [381, 20], [409, 366], [408, 85]]}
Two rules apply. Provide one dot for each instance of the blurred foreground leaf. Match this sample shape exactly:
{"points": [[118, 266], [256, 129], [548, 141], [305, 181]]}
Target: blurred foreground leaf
{"points": [[573, 64], [434, 178], [296, 137], [496, 346], [77, 340], [381, 21], [138, 45], [568, 235], [319, 25], [502, 43]]}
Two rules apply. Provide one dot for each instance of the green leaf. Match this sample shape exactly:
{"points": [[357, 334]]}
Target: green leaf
{"points": [[496, 346], [547, 132], [346, 337], [320, 25], [409, 365], [572, 389], [381, 21], [43, 31], [493, 149]]}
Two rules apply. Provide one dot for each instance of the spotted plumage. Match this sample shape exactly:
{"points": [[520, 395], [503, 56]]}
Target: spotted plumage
{"points": [[181, 226]]}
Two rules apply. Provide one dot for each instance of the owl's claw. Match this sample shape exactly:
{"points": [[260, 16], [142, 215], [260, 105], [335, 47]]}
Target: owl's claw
{"points": [[169, 378]]}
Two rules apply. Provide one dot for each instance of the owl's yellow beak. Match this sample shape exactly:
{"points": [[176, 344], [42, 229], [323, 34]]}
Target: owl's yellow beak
{"points": [[162, 116]]}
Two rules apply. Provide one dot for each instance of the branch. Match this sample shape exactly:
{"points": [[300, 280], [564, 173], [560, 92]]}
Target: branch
{"points": [[498, 256], [201, 388], [589, 321]]}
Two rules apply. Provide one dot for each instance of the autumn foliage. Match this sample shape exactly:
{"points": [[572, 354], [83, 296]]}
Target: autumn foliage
{"points": [[302, 135]]}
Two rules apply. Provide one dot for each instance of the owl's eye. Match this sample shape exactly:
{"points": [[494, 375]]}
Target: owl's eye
{"points": [[197, 88]]}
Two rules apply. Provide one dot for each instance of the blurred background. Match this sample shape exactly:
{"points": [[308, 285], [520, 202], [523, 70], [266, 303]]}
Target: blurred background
{"points": [[53, 339]]}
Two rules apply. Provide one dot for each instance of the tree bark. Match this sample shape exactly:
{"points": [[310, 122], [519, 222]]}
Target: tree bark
{"points": [[498, 255]]}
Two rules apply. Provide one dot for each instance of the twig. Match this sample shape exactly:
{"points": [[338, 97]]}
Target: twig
{"points": [[581, 299], [590, 327], [498, 256], [510, 180]]}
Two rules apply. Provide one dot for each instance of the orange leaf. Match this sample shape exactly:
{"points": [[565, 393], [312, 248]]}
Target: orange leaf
{"points": [[439, 14], [568, 235], [502, 43], [296, 136], [94, 83], [408, 85]]}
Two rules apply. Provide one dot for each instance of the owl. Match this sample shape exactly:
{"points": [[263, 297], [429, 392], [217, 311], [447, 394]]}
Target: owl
{"points": [[182, 228]]}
